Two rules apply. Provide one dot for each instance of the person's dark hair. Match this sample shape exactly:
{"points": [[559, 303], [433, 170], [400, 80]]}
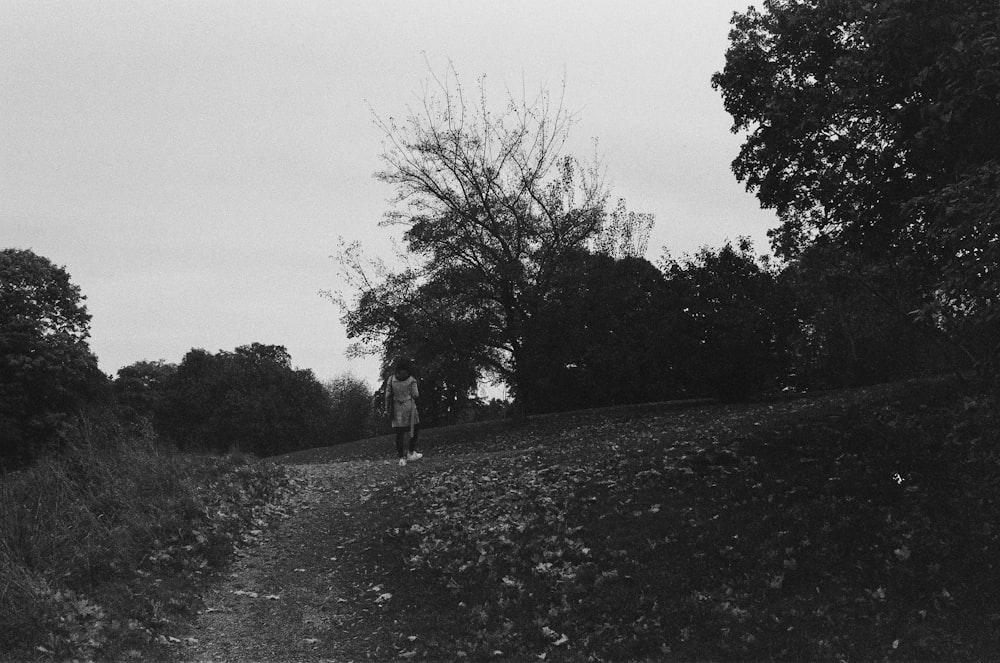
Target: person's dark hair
{"points": [[403, 364]]}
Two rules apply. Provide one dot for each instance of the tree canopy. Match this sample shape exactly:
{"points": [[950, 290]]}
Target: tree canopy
{"points": [[491, 211], [250, 399], [734, 319], [877, 126], [46, 366]]}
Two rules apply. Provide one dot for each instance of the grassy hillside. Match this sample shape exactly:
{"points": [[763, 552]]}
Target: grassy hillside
{"points": [[476, 437], [856, 525], [104, 548], [859, 525]]}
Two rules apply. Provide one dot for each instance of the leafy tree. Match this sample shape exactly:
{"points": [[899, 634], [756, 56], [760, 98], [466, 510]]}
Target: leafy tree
{"points": [[870, 123], [46, 367], [260, 354], [854, 108], [603, 337], [429, 324], [140, 388], [853, 321], [965, 303], [354, 415], [448, 384], [492, 212], [736, 319], [250, 399]]}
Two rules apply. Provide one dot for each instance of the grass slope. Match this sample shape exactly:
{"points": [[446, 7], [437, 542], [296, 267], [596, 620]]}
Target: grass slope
{"points": [[860, 525], [104, 549]]}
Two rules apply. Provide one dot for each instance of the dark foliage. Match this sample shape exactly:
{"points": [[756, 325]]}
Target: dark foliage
{"points": [[734, 320], [355, 413], [876, 125], [140, 388], [447, 389], [493, 215], [250, 399], [439, 335], [854, 324], [46, 367], [603, 337]]}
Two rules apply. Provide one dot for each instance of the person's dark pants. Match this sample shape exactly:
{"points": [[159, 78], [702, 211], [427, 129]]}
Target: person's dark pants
{"points": [[400, 433]]}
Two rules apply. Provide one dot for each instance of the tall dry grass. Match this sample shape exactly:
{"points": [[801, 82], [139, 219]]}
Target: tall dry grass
{"points": [[99, 521]]}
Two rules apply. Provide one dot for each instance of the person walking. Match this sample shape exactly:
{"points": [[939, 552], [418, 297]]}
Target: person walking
{"points": [[401, 393]]}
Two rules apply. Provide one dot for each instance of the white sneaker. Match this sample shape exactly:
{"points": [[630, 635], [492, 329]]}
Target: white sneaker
{"points": [[414, 455], [402, 462]]}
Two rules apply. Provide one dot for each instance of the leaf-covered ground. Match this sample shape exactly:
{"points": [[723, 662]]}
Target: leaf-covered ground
{"points": [[855, 526]]}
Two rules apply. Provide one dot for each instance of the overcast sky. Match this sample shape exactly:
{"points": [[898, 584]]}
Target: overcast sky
{"points": [[192, 163]]}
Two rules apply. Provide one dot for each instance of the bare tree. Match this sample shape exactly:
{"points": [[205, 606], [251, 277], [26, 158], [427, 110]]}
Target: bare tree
{"points": [[491, 209]]}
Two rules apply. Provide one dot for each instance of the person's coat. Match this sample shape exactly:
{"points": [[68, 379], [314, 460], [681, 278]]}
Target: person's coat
{"points": [[400, 396]]}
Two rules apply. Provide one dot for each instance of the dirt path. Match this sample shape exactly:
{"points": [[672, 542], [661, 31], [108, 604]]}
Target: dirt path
{"points": [[306, 591]]}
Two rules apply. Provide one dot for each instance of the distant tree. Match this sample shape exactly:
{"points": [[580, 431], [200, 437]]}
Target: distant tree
{"points": [[877, 126], [46, 367], [443, 363], [141, 387], [490, 409], [260, 354], [623, 234], [492, 211], [354, 416], [250, 399], [603, 337], [736, 319], [448, 384], [429, 324]]}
